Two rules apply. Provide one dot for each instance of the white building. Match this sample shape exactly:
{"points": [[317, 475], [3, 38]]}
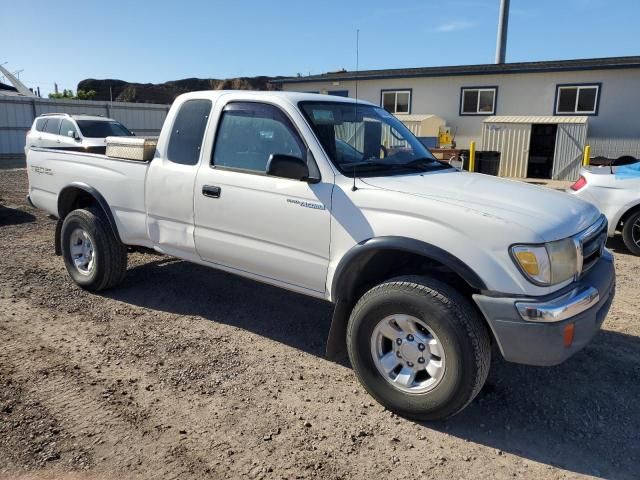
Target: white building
{"points": [[567, 104]]}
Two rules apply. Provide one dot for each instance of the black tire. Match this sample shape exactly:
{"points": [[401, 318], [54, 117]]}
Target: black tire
{"points": [[463, 334], [628, 233], [109, 254]]}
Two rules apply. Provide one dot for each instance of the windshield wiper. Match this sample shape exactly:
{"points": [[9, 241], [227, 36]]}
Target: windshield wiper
{"points": [[416, 165], [428, 164]]}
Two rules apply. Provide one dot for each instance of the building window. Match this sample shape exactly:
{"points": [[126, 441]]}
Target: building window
{"points": [[478, 100], [338, 93], [580, 99], [396, 101]]}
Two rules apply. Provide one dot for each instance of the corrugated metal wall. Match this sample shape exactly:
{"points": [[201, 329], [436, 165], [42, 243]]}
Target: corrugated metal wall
{"points": [[614, 147], [17, 115], [567, 158], [512, 141]]}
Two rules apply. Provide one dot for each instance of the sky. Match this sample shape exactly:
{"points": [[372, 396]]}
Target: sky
{"points": [[66, 41]]}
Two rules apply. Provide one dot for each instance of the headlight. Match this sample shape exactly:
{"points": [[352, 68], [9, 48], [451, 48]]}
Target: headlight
{"points": [[547, 264]]}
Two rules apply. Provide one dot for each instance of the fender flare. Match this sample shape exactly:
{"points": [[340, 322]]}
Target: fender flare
{"points": [[352, 262], [100, 200], [358, 255]]}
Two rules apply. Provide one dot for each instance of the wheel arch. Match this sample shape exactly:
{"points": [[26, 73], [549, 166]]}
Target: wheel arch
{"points": [[80, 195], [375, 260], [355, 260], [627, 212]]}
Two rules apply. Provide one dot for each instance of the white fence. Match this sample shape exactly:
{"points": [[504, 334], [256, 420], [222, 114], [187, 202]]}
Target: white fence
{"points": [[17, 115]]}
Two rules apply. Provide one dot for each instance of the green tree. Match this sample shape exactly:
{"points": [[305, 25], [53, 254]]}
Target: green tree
{"points": [[82, 95]]}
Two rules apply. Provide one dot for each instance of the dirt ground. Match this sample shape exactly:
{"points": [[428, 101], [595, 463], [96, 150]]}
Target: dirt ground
{"points": [[185, 372]]}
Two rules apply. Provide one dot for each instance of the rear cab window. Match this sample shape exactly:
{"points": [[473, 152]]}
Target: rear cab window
{"points": [[187, 132]]}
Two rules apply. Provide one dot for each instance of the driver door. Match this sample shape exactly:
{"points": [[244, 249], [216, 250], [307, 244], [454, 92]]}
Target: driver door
{"points": [[270, 228]]}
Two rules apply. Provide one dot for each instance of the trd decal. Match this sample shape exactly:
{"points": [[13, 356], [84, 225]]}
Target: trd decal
{"points": [[42, 170], [315, 206]]}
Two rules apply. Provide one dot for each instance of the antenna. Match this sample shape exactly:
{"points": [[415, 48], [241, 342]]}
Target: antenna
{"points": [[354, 188]]}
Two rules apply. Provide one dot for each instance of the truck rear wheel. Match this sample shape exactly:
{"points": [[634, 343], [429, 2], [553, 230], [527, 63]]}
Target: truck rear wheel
{"points": [[631, 233], [418, 347], [94, 257]]}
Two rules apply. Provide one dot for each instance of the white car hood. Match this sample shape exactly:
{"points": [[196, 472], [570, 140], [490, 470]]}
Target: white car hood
{"points": [[551, 214]]}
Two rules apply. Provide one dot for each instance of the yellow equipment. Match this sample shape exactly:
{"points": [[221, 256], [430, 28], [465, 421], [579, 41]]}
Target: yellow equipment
{"points": [[445, 137]]}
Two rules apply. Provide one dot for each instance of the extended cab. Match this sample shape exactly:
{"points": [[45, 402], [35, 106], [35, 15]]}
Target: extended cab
{"points": [[427, 266]]}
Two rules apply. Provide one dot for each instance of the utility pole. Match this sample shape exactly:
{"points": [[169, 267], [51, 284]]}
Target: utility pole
{"points": [[503, 25]]}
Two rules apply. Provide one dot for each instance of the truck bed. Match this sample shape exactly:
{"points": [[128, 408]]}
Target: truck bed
{"points": [[121, 183]]}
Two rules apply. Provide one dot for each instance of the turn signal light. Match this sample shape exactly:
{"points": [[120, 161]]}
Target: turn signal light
{"points": [[529, 262], [569, 330], [579, 184]]}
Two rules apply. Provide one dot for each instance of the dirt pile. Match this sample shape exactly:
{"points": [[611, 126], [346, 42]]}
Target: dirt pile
{"points": [[122, 91]]}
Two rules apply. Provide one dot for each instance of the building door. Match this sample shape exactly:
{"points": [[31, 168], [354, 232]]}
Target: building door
{"points": [[512, 140], [541, 150], [570, 142]]}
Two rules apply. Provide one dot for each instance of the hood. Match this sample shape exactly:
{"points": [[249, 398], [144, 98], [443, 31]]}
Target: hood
{"points": [[551, 214]]}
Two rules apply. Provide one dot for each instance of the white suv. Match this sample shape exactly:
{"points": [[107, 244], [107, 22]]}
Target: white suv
{"points": [[72, 132]]}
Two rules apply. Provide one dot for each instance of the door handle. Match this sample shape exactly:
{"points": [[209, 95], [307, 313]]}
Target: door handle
{"points": [[211, 191]]}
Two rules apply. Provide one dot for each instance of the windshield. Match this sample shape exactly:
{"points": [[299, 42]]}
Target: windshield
{"points": [[102, 129], [364, 140]]}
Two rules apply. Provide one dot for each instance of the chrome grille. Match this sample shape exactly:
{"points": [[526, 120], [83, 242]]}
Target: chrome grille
{"points": [[590, 245]]}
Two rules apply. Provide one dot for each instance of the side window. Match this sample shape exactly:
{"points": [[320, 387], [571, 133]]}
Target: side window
{"points": [[188, 129], [578, 99], [67, 126], [40, 124], [52, 125], [478, 100], [396, 101], [250, 132]]}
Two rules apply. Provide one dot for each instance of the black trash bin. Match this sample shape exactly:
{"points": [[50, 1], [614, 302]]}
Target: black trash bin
{"points": [[488, 162]]}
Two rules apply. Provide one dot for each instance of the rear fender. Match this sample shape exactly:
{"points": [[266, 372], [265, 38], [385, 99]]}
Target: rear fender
{"points": [[67, 199]]}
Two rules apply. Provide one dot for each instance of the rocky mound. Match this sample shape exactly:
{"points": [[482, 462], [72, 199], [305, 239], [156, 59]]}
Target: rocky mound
{"points": [[121, 91]]}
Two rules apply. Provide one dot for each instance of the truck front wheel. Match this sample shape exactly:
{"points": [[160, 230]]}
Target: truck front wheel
{"points": [[418, 347], [94, 257]]}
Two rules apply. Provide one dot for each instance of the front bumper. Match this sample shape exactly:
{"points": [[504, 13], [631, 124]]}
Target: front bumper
{"points": [[545, 342]]}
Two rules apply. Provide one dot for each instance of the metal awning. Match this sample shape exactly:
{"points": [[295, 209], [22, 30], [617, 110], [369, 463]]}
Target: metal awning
{"points": [[553, 119]]}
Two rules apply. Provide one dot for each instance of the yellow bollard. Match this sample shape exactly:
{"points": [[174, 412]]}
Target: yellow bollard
{"points": [[472, 156], [587, 156]]}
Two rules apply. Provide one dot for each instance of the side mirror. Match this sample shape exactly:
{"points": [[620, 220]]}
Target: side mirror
{"points": [[73, 134], [287, 166]]}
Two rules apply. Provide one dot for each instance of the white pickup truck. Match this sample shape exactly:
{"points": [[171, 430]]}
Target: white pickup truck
{"points": [[427, 266]]}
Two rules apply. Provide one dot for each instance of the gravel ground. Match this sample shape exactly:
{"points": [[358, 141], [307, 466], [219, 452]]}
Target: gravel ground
{"points": [[185, 372]]}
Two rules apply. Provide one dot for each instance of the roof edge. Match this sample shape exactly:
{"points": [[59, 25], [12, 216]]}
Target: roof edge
{"points": [[606, 63]]}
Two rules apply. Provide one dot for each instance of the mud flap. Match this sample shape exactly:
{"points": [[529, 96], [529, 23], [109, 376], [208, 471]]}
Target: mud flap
{"points": [[58, 248], [337, 339]]}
